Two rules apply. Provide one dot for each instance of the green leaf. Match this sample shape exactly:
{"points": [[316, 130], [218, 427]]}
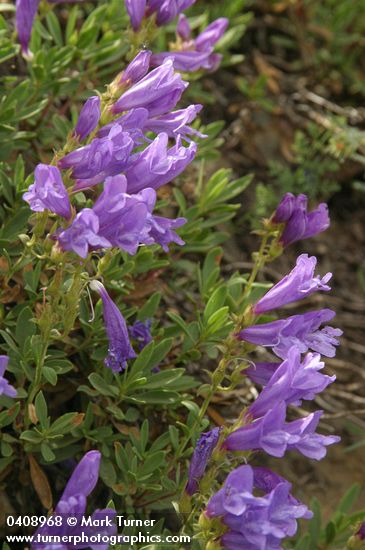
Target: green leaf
{"points": [[41, 409], [314, 527], [50, 375], [9, 415], [64, 423], [102, 386], [31, 436], [349, 499], [151, 464], [47, 452], [156, 397], [330, 532], [215, 302], [25, 328], [148, 311]]}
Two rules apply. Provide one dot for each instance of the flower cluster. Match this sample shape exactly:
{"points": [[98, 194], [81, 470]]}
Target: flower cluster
{"points": [[130, 165], [193, 54], [164, 11], [188, 54], [73, 503], [297, 222], [250, 521], [256, 522]]}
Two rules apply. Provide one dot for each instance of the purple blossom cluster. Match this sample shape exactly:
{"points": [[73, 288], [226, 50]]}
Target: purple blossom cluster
{"points": [[73, 504], [164, 11], [130, 164], [297, 222], [256, 522], [261, 522], [194, 54], [126, 160]]}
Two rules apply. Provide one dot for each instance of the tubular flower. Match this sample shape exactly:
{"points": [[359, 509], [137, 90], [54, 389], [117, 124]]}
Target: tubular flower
{"points": [[120, 349], [161, 231], [136, 11], [299, 223], [273, 435], [121, 220], [193, 55], [137, 68], [260, 373], [199, 461], [140, 331], [299, 330], [298, 284], [292, 382], [132, 121], [158, 164], [176, 123], [158, 92], [5, 387], [25, 13], [103, 157], [127, 220], [83, 234], [123, 217], [89, 117], [165, 10], [48, 192], [73, 502], [256, 522]]}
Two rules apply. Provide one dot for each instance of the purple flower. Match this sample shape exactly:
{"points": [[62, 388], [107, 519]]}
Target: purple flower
{"points": [[260, 373], [285, 208], [176, 123], [140, 331], [25, 13], [161, 231], [83, 234], [120, 349], [158, 165], [256, 522], [299, 330], [103, 157], [158, 92], [5, 387], [89, 117], [121, 220], [274, 436], [298, 284], [166, 10], [136, 10], [299, 223], [292, 382], [48, 192], [73, 503], [183, 29], [132, 122], [211, 35], [361, 532], [123, 217], [137, 68], [195, 54], [201, 456]]}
